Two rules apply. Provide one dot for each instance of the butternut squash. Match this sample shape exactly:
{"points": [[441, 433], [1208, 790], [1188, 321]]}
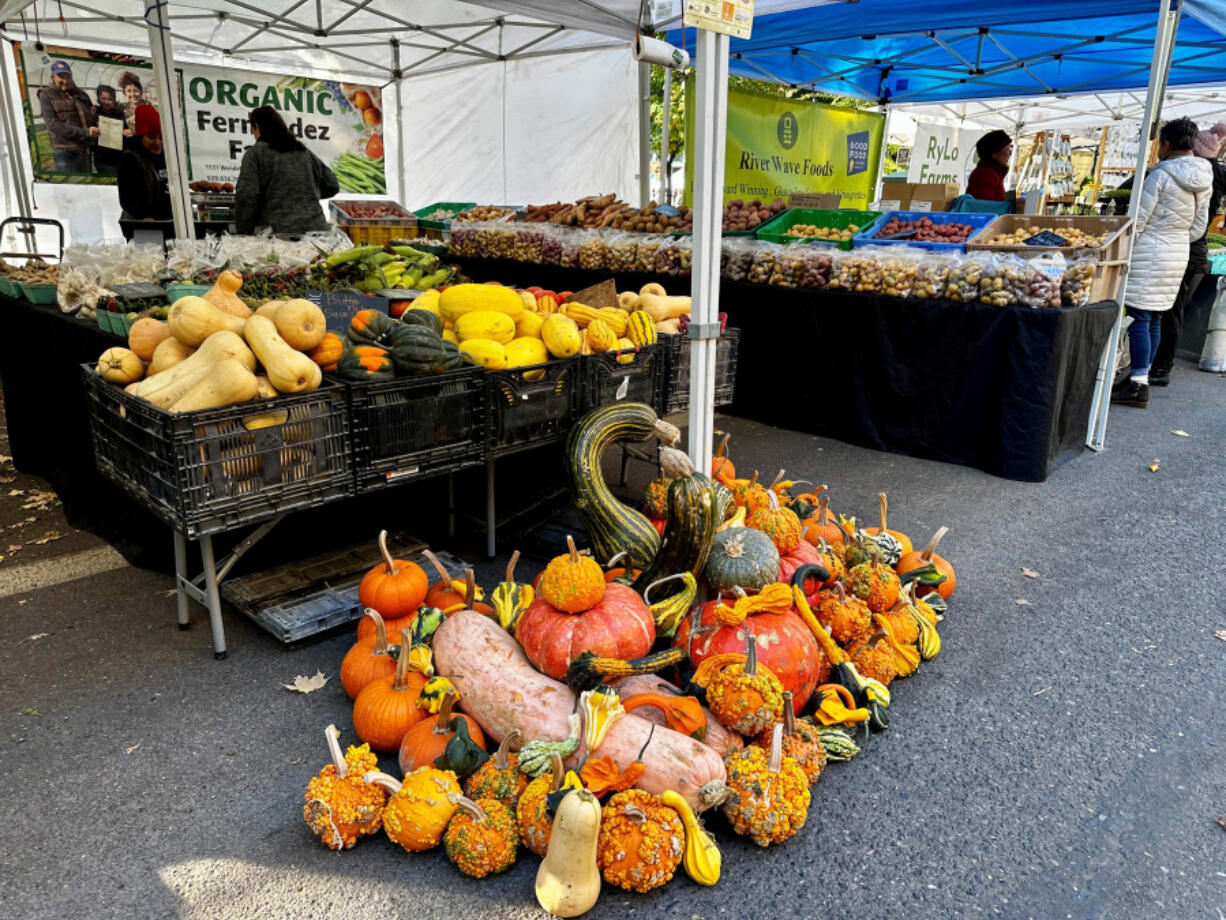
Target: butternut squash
{"points": [[269, 309], [226, 382], [120, 365], [264, 387], [169, 353], [628, 301], [223, 295], [669, 327], [653, 288], [168, 387], [194, 319], [289, 371], [146, 335], [301, 324], [661, 308], [568, 880]]}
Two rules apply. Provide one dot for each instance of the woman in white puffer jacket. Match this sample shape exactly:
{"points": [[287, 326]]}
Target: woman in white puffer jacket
{"points": [[1173, 212]]}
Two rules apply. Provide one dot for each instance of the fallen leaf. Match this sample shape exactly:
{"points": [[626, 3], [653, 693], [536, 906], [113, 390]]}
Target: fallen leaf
{"points": [[307, 684], [132, 748], [1041, 692], [7, 479], [15, 547], [1220, 634], [1222, 821], [13, 492], [5, 458], [1022, 602], [1180, 433], [1029, 573], [293, 762], [30, 711], [48, 537], [169, 592], [37, 636], [1153, 466]]}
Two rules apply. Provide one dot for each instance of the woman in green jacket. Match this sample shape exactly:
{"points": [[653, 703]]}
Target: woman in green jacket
{"points": [[280, 182]]}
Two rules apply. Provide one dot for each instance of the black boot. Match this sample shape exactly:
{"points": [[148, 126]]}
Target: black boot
{"points": [[1160, 376], [1136, 395]]}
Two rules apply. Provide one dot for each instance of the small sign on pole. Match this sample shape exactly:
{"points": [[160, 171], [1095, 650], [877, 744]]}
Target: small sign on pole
{"points": [[731, 17]]}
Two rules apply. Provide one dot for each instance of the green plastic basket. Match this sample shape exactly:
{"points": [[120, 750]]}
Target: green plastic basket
{"points": [[456, 206], [776, 230], [39, 293], [11, 288], [175, 291]]}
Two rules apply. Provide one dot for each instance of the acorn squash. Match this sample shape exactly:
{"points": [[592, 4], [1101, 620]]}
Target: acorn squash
{"points": [[416, 316], [365, 362], [415, 349]]}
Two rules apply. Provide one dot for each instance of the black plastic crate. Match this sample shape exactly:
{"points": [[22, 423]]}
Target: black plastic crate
{"points": [[636, 377], [527, 406], [414, 427], [212, 470], [675, 395]]}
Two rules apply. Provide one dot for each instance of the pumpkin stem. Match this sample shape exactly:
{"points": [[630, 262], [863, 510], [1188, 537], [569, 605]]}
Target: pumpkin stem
{"points": [[751, 654], [387, 556], [882, 502], [500, 755], [635, 814], [400, 681], [838, 587], [778, 478], [380, 631], [470, 588], [612, 562], [843, 530], [334, 748], [739, 592], [723, 446], [574, 553], [390, 783], [713, 794], [931, 548], [675, 464], [789, 714], [823, 511], [871, 641], [511, 567], [559, 771], [658, 581], [776, 758], [443, 574], [471, 807], [772, 498], [666, 431], [643, 749], [753, 480], [443, 726]]}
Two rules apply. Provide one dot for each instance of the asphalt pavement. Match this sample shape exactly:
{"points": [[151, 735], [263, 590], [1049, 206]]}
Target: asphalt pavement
{"points": [[1063, 757]]}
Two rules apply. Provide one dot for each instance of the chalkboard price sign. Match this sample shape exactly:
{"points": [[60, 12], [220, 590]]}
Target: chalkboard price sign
{"points": [[339, 306]]}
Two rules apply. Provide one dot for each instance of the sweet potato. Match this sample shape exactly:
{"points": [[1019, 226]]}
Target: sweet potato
{"points": [[502, 691]]}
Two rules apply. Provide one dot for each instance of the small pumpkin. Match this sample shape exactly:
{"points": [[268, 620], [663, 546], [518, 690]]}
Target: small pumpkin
{"points": [[801, 742], [741, 557], [481, 839], [499, 777], [823, 526], [424, 742], [328, 352], [532, 812], [372, 327], [874, 658], [876, 584], [447, 592], [743, 694], [339, 806], [395, 587], [779, 523], [641, 843], [721, 467], [365, 363], [655, 499], [416, 316], [369, 658], [898, 535], [120, 365], [145, 335], [573, 583], [845, 615], [387, 707], [420, 808], [911, 561], [769, 798]]}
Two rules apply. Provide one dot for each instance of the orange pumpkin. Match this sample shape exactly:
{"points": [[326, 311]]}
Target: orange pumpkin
{"points": [[896, 534], [424, 742], [721, 467], [573, 583], [911, 561], [442, 593], [328, 352], [822, 527], [394, 587], [387, 707], [369, 658]]}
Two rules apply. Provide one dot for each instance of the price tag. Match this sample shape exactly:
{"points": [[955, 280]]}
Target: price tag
{"points": [[921, 206], [1046, 238], [339, 306], [731, 17]]}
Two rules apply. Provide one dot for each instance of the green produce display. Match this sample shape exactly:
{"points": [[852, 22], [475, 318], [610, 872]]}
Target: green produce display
{"points": [[360, 174], [374, 268]]}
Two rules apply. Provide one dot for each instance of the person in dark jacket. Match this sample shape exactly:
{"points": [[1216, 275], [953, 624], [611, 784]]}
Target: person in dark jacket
{"points": [[280, 182], [987, 181], [106, 159], [69, 116], [143, 192], [1209, 146]]}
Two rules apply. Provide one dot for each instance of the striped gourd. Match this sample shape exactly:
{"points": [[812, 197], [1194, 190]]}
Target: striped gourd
{"points": [[600, 337], [611, 525], [641, 329], [616, 317], [582, 314]]}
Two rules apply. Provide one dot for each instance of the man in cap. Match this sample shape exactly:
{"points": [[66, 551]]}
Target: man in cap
{"points": [[68, 114]]}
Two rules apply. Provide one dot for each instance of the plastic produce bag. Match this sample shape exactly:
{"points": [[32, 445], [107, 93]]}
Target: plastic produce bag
{"points": [[1078, 279], [1213, 355], [962, 285], [736, 256], [1003, 283], [932, 271], [1043, 279]]}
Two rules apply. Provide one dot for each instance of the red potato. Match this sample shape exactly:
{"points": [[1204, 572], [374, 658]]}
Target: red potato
{"points": [[502, 691]]}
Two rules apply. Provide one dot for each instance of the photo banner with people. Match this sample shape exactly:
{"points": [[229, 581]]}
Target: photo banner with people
{"points": [[777, 146], [80, 112]]}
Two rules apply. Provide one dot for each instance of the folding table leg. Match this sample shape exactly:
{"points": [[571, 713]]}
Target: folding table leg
{"points": [[213, 597], [181, 574], [491, 518]]}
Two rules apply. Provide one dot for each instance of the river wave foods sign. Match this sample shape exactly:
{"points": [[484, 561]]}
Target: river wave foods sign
{"points": [[73, 98], [778, 147]]}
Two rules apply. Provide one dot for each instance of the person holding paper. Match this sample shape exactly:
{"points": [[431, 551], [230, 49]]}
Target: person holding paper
{"points": [[987, 181], [111, 116], [69, 117], [143, 190]]}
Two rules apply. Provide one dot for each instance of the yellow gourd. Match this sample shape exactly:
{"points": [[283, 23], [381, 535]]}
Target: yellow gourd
{"points": [[616, 318], [600, 337], [525, 351], [663, 308], [301, 324], [529, 300], [581, 313], [530, 325], [625, 349], [428, 300], [168, 387], [486, 352], [626, 300], [289, 371], [223, 293], [702, 860], [226, 382], [568, 880], [121, 365], [561, 336], [169, 353], [450, 336], [146, 335], [468, 298], [485, 324], [194, 319]]}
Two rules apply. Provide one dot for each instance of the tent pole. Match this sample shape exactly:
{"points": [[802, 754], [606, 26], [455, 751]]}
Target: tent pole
{"points": [[177, 173], [644, 134], [1164, 47], [666, 171], [399, 83], [885, 148], [710, 129], [13, 138]]}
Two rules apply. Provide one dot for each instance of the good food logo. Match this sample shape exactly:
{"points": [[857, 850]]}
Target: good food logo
{"points": [[857, 153]]}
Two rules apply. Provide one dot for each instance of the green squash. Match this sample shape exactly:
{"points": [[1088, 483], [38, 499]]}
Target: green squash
{"points": [[741, 557], [365, 363], [452, 358], [693, 514], [416, 317], [416, 349], [372, 327]]}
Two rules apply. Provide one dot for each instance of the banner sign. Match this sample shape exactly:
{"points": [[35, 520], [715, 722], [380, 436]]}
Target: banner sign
{"points": [[79, 103], [777, 147], [942, 154]]}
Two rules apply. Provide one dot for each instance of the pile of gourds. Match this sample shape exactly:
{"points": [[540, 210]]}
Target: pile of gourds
{"points": [[811, 618], [213, 351]]}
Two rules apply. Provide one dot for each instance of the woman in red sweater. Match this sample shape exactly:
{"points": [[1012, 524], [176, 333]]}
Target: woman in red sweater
{"points": [[987, 181]]}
